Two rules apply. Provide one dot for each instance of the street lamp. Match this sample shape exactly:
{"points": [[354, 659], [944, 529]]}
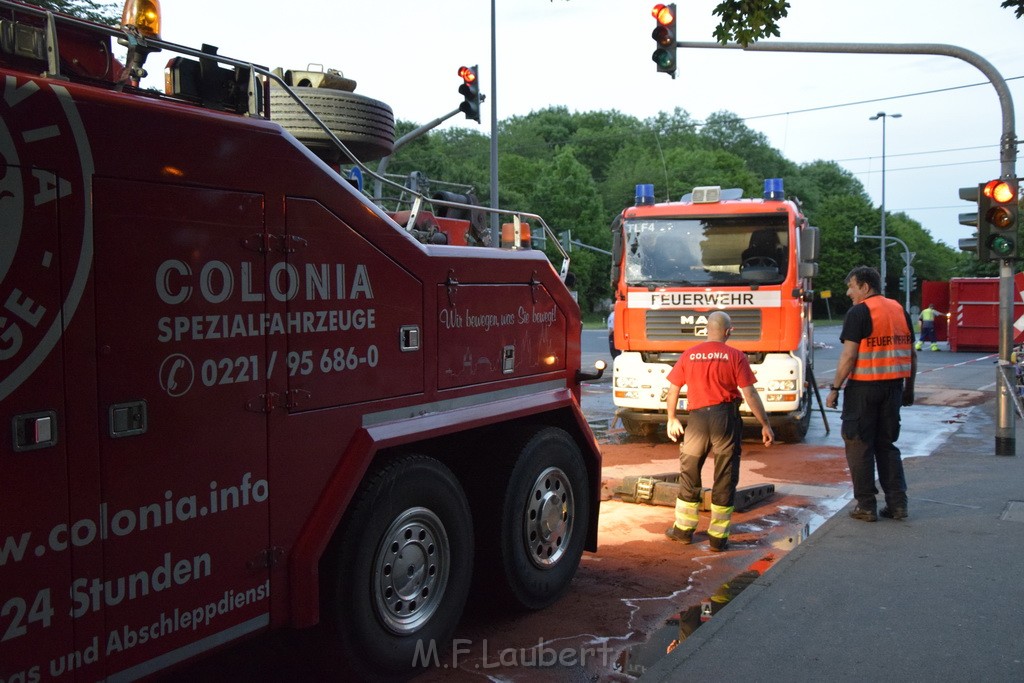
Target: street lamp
{"points": [[882, 115]]}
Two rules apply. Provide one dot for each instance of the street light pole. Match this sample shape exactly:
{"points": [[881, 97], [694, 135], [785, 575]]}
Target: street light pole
{"points": [[882, 115]]}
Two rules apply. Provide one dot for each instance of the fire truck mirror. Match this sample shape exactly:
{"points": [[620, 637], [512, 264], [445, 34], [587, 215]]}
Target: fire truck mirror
{"points": [[616, 244], [808, 269], [810, 245]]}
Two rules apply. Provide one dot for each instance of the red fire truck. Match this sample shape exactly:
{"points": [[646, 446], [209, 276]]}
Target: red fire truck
{"points": [[238, 394], [675, 262]]}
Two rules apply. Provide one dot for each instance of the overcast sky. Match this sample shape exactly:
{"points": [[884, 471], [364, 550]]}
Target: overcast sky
{"points": [[596, 55]]}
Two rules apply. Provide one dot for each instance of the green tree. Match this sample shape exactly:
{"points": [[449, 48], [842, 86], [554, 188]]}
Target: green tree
{"points": [[744, 21], [724, 130], [101, 12]]}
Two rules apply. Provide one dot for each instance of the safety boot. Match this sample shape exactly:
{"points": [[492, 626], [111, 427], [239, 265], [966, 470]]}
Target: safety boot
{"points": [[718, 544], [918, 346], [935, 347], [684, 536]]}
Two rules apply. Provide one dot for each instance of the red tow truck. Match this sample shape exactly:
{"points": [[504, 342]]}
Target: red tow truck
{"points": [[238, 394]]}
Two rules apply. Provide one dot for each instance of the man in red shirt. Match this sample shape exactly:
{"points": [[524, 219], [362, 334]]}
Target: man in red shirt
{"points": [[715, 375]]}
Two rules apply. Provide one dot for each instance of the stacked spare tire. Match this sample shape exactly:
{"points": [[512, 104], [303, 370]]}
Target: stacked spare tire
{"points": [[365, 125]]}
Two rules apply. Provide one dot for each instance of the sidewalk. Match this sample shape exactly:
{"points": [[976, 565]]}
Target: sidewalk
{"points": [[938, 596]]}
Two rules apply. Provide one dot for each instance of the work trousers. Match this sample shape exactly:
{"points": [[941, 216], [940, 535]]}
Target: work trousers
{"points": [[717, 430], [871, 427], [928, 331]]}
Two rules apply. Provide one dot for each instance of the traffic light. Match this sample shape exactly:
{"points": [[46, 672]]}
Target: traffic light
{"points": [[976, 243], [997, 211], [565, 237], [665, 36], [470, 91]]}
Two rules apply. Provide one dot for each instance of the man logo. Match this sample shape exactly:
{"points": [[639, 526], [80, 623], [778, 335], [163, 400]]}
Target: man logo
{"points": [[693, 320]]}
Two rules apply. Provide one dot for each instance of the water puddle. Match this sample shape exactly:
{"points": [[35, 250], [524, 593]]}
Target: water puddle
{"points": [[635, 660]]}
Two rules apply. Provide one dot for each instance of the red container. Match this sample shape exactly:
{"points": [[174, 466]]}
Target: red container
{"points": [[974, 308]]}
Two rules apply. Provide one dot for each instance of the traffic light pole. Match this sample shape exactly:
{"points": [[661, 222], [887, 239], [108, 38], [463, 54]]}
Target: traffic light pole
{"points": [[1005, 430], [382, 165]]}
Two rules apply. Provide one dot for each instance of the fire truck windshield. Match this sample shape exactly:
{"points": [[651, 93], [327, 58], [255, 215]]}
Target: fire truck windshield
{"points": [[748, 249]]}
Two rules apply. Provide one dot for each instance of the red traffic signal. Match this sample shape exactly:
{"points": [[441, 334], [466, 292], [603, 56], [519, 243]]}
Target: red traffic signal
{"points": [[664, 35], [470, 91]]}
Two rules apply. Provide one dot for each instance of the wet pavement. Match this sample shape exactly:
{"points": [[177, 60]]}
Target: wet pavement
{"points": [[937, 596]]}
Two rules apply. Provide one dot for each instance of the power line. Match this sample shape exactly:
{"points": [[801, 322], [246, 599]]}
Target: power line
{"points": [[911, 154], [918, 168], [877, 99]]}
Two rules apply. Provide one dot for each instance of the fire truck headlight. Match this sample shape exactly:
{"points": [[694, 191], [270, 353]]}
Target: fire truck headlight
{"points": [[782, 385], [631, 394], [623, 382]]}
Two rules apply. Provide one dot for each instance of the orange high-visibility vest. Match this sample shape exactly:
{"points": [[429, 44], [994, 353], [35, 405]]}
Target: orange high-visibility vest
{"points": [[886, 353]]}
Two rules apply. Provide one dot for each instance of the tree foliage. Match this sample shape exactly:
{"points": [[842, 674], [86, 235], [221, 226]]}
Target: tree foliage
{"points": [[744, 21], [1016, 5], [101, 12]]}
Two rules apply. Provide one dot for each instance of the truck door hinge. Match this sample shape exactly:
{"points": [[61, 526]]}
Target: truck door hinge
{"points": [[260, 242], [263, 403], [266, 559], [294, 397], [290, 243], [452, 283], [534, 284]]}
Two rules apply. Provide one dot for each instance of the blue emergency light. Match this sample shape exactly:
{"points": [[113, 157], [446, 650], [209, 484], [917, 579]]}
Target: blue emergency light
{"points": [[773, 188], [645, 194]]}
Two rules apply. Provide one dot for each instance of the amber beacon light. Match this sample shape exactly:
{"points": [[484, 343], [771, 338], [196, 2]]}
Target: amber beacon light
{"points": [[144, 15]]}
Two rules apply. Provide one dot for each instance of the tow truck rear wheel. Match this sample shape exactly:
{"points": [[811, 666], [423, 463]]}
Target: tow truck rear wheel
{"points": [[400, 567], [365, 125], [544, 518]]}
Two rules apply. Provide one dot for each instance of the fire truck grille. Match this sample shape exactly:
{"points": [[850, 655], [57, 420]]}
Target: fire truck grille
{"points": [[683, 325]]}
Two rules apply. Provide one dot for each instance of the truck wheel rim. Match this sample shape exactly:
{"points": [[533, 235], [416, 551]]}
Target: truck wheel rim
{"points": [[411, 570], [548, 519]]}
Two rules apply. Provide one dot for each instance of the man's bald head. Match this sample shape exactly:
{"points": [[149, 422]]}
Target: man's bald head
{"points": [[719, 325]]}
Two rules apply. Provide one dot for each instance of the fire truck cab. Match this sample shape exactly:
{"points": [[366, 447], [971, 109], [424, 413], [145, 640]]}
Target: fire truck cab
{"points": [[673, 263], [237, 393]]}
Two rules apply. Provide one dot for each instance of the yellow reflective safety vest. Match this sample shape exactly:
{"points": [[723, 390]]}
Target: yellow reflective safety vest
{"points": [[886, 353]]}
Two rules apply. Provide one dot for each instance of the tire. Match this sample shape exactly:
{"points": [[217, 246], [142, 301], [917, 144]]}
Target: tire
{"points": [[411, 514], [544, 518], [796, 431], [365, 125]]}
